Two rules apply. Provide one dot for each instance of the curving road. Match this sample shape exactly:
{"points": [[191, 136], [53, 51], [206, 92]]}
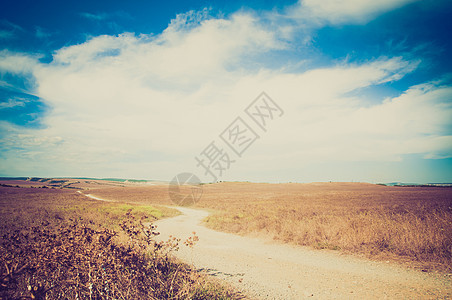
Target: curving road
{"points": [[266, 270]]}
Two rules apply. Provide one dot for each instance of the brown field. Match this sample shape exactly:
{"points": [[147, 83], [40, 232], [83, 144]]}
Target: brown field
{"points": [[55, 240], [409, 225], [56, 243]]}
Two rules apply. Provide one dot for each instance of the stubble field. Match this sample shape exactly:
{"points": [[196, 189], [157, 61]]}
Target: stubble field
{"points": [[56, 243], [55, 240], [407, 225]]}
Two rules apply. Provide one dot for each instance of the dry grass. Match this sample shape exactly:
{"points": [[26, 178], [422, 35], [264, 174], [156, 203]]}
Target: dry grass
{"points": [[57, 244], [154, 194], [406, 224], [411, 225]]}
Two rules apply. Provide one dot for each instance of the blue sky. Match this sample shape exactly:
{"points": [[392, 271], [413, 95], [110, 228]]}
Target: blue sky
{"points": [[139, 89]]}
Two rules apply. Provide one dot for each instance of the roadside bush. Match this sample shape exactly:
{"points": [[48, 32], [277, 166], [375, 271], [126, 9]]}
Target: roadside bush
{"points": [[74, 259]]}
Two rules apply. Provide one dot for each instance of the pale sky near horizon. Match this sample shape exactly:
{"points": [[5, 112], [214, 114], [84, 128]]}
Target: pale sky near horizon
{"points": [[356, 90]]}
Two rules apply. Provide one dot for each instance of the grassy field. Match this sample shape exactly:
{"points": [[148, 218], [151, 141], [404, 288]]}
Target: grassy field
{"points": [[411, 225], [56, 243], [408, 225]]}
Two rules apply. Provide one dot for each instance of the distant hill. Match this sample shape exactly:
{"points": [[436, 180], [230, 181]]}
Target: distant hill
{"points": [[42, 179], [14, 178], [418, 184]]}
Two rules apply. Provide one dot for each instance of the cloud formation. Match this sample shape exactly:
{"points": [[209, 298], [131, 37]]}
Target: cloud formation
{"points": [[144, 106], [5, 34], [337, 12], [18, 63], [13, 102], [96, 17]]}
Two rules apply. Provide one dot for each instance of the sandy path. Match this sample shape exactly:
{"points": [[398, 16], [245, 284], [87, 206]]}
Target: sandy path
{"points": [[94, 197], [267, 270]]}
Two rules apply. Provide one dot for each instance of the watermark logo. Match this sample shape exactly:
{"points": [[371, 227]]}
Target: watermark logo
{"points": [[239, 136], [186, 189]]}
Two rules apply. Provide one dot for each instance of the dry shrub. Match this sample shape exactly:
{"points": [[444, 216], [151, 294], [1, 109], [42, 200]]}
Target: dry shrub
{"points": [[404, 224], [52, 255]]}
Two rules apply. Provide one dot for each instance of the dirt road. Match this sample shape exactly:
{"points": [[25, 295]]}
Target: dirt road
{"points": [[266, 270], [95, 197]]}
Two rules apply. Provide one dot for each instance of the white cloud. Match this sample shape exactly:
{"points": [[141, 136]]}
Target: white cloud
{"points": [[323, 124], [189, 20], [343, 11], [5, 34], [96, 17], [11, 31], [124, 96], [13, 102], [144, 106], [17, 63], [102, 16], [12, 26], [41, 33]]}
